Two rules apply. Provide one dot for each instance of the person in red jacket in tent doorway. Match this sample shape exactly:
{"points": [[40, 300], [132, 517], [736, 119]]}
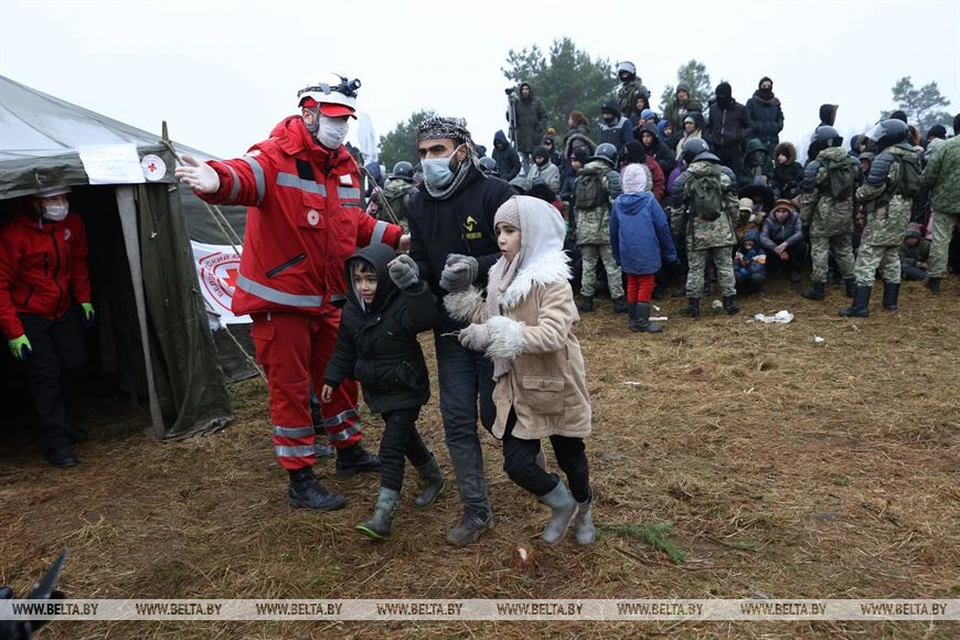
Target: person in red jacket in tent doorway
{"points": [[43, 278], [304, 220]]}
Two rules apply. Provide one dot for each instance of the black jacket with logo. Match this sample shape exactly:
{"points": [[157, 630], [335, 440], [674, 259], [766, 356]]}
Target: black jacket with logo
{"points": [[377, 345]]}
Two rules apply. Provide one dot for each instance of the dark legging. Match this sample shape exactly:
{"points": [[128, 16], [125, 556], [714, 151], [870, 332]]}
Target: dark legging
{"points": [[400, 440], [520, 462]]}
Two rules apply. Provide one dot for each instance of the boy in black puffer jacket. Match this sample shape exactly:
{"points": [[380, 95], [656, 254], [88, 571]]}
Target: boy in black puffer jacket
{"points": [[388, 305]]}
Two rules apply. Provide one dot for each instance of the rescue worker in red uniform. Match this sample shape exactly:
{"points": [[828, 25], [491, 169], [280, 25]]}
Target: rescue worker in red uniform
{"points": [[304, 220], [43, 276]]}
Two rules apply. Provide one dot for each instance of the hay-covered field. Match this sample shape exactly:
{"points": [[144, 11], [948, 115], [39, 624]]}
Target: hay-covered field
{"points": [[787, 468]]}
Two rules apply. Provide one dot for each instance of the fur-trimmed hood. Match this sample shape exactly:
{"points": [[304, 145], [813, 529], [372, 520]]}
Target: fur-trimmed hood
{"points": [[786, 148]]}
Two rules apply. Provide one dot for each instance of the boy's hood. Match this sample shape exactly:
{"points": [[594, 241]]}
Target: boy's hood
{"points": [[378, 255]]}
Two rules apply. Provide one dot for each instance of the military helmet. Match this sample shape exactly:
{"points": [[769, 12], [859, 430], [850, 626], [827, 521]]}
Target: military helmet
{"points": [[888, 132], [629, 67], [694, 147], [489, 166], [605, 151], [827, 136], [403, 170]]}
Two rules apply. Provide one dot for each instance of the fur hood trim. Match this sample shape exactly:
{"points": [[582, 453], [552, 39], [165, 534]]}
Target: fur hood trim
{"points": [[553, 267]]}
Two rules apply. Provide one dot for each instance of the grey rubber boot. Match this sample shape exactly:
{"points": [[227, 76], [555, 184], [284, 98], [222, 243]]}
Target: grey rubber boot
{"points": [[378, 527], [432, 483], [641, 320], [583, 529], [564, 509]]}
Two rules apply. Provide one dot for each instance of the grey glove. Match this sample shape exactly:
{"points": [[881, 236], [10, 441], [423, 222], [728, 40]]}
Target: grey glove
{"points": [[459, 272], [404, 271], [475, 337]]}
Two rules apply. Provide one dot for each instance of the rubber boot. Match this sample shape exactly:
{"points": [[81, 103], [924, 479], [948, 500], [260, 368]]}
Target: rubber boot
{"points": [[891, 291], [378, 526], [432, 483], [933, 284], [583, 529], [354, 460], [816, 292], [620, 305], [564, 509], [860, 307], [851, 286], [585, 304], [306, 493], [641, 320], [730, 305], [632, 314], [692, 309]]}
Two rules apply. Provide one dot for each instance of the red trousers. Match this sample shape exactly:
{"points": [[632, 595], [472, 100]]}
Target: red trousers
{"points": [[639, 287], [294, 348]]}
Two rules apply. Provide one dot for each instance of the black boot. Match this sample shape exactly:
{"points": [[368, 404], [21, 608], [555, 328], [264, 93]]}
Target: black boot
{"points": [[432, 483], [860, 307], [933, 284], [62, 457], [585, 304], [77, 434], [730, 305], [815, 293], [632, 314], [306, 493], [641, 320], [692, 309], [620, 305], [354, 460], [891, 291], [851, 285]]}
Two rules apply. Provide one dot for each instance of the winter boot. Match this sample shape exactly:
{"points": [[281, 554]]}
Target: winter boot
{"points": [[933, 284], [641, 319], [860, 307], [632, 314], [730, 305], [378, 526], [77, 434], [692, 309], [620, 305], [891, 291], [795, 276], [432, 483], [62, 457], [354, 460], [564, 508], [851, 286], [469, 529], [306, 493], [583, 529], [585, 304], [815, 293]]}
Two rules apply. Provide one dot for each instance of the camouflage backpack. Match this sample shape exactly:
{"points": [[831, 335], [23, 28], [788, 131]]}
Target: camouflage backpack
{"points": [[589, 191], [703, 194], [909, 182], [842, 175]]}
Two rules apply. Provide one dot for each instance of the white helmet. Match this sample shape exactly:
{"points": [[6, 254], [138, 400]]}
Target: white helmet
{"points": [[334, 93]]}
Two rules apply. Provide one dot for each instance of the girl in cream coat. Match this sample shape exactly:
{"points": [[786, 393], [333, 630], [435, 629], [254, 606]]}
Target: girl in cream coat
{"points": [[525, 325]]}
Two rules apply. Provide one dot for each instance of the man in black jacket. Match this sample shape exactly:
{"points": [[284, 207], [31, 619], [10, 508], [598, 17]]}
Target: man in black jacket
{"points": [[453, 243], [506, 157], [728, 128]]}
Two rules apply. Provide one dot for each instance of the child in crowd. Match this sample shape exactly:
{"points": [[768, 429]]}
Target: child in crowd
{"points": [[641, 242], [749, 264], [525, 326], [388, 305], [914, 253]]}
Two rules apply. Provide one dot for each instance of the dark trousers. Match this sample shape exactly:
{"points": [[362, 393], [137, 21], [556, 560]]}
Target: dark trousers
{"points": [[520, 463], [401, 441], [55, 360], [732, 158], [798, 257], [748, 283]]}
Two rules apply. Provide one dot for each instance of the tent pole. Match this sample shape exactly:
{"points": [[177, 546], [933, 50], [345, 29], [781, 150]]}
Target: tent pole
{"points": [[127, 207]]}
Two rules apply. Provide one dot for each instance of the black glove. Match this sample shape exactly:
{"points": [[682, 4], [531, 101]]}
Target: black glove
{"points": [[404, 271]]}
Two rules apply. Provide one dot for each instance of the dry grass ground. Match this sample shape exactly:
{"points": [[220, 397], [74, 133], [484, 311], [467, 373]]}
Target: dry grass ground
{"points": [[787, 467]]}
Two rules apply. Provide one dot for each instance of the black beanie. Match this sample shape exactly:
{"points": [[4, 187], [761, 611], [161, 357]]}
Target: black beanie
{"points": [[633, 152], [541, 152], [937, 131], [724, 90]]}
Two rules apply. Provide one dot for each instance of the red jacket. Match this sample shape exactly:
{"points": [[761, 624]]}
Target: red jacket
{"points": [[304, 220], [657, 173], [41, 264]]}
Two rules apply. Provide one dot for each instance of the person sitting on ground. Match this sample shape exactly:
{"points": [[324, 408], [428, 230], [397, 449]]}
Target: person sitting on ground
{"points": [[782, 239], [750, 264], [914, 253]]}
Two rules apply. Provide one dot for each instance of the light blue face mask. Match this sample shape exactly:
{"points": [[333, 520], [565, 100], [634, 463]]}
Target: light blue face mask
{"points": [[436, 172]]}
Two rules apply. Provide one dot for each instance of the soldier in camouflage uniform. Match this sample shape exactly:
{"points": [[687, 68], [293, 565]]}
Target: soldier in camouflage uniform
{"points": [[629, 90], [942, 177], [829, 218], [703, 234], [392, 201], [888, 212], [593, 231]]}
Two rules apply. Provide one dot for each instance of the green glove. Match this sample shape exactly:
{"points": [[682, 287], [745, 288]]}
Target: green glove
{"points": [[88, 314], [20, 347]]}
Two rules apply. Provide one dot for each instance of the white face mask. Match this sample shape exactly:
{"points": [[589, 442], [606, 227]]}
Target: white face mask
{"points": [[331, 132], [55, 212]]}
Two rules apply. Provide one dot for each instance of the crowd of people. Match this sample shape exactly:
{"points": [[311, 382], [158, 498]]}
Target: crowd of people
{"points": [[338, 295]]}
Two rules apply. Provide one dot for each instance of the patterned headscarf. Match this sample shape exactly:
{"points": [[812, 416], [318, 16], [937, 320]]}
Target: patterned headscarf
{"points": [[438, 128]]}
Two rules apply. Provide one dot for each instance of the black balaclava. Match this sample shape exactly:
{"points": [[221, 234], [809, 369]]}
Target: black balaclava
{"points": [[766, 94], [724, 95]]}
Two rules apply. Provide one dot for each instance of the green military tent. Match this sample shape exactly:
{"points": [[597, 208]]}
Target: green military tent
{"points": [[153, 328]]}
